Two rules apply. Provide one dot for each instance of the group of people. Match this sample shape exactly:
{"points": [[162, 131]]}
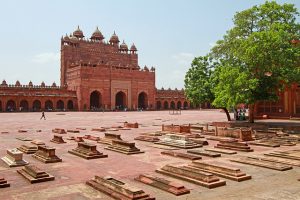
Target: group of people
{"points": [[240, 114]]}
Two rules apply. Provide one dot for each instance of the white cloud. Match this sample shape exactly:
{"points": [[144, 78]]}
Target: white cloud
{"points": [[184, 58], [44, 58]]}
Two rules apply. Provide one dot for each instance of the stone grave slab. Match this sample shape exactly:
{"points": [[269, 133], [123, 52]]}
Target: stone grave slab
{"points": [[73, 131], [87, 151], [24, 138], [28, 149], [46, 154], [14, 158], [59, 131], [163, 184], [34, 174], [147, 138], [99, 129], [220, 169], [90, 137], [3, 183], [131, 125], [179, 141], [223, 151], [38, 142], [278, 160], [204, 153], [181, 155], [237, 146], [293, 154], [262, 163], [192, 175], [109, 137], [22, 131], [264, 144], [118, 189], [176, 128], [57, 139], [124, 147]]}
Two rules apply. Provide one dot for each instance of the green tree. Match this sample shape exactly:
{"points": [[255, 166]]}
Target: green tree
{"points": [[257, 58]]}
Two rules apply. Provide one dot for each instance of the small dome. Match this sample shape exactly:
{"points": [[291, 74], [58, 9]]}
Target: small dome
{"points": [[78, 33], [53, 84], [30, 84], [66, 38], [123, 46], [43, 84], [97, 35], [114, 39], [18, 83], [133, 47], [4, 83]]}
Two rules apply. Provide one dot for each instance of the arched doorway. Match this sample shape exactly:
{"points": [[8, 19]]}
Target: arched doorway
{"points": [[172, 105], [143, 100], [185, 105], [11, 106], [179, 105], [24, 105], [95, 100], [158, 105], [60, 105], [48, 105], [70, 105], [120, 100], [166, 105], [36, 106]]}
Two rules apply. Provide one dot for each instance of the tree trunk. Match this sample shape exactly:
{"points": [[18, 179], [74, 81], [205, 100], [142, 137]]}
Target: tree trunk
{"points": [[251, 113], [227, 114]]}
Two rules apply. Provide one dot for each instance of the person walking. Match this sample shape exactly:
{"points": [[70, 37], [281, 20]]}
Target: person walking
{"points": [[43, 115]]}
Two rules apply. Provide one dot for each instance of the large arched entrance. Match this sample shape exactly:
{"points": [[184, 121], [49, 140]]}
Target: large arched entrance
{"points": [[143, 100], [179, 105], [24, 105], [11, 106], [36, 106], [49, 105], [70, 105], [95, 100], [185, 105], [172, 105], [60, 105], [166, 105], [158, 105], [120, 100]]}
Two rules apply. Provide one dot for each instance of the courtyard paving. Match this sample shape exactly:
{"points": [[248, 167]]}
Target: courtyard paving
{"points": [[73, 172]]}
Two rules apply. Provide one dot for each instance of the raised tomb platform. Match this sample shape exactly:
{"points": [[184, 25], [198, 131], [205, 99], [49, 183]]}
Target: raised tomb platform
{"points": [[124, 147], [221, 170], [46, 154], [176, 128], [147, 138], [179, 141], [3, 183], [73, 131], [59, 131], [28, 149], [87, 151], [90, 137], [204, 153], [118, 189], [192, 175], [38, 142], [57, 139], [243, 134], [163, 184], [237, 146], [131, 125], [109, 137], [24, 138], [14, 158], [181, 155], [35, 175]]}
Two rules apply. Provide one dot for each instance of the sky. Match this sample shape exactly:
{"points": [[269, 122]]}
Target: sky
{"points": [[167, 33]]}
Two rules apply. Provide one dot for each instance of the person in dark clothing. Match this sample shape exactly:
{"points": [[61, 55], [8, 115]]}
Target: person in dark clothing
{"points": [[43, 116]]}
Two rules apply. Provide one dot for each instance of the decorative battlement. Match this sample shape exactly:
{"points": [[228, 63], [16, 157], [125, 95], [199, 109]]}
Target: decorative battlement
{"points": [[30, 85]]}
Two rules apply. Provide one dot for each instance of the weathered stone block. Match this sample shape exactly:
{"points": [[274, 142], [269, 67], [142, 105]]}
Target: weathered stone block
{"points": [[176, 128], [59, 131], [46, 154], [14, 158], [147, 138], [87, 151], [179, 141], [109, 137], [131, 125], [28, 149], [38, 142], [204, 153], [90, 137], [181, 155], [3, 183], [35, 175], [57, 139], [124, 147]]}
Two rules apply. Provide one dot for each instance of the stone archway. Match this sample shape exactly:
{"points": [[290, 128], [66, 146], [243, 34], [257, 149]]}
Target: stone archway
{"points": [[158, 105], [179, 105], [11, 106], [166, 105], [24, 106], [36, 105], [95, 100], [143, 101], [60, 105], [49, 105], [185, 105], [70, 105], [120, 100], [172, 105]]}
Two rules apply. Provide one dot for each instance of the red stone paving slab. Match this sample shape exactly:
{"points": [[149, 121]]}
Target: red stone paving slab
{"points": [[72, 173]]}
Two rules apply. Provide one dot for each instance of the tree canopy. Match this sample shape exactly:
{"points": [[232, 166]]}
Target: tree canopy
{"points": [[255, 59]]}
